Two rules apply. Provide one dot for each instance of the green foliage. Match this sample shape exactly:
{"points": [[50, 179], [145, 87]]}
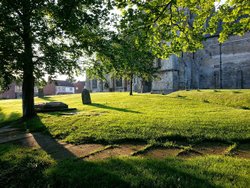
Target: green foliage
{"points": [[234, 15], [59, 32], [46, 37], [181, 25], [124, 57]]}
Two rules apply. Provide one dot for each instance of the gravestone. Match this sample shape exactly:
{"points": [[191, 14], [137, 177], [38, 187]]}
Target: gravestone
{"points": [[86, 97], [40, 93]]}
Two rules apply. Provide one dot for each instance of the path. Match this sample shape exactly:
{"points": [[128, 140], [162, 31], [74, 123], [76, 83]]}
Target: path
{"points": [[60, 150]]}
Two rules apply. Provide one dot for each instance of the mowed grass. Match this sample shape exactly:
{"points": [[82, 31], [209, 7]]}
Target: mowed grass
{"points": [[24, 167], [116, 117]]}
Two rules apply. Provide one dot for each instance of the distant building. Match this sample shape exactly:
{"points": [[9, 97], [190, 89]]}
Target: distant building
{"points": [[79, 86], [15, 91], [59, 87], [117, 84]]}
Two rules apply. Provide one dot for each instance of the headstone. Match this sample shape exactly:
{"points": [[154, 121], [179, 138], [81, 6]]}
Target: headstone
{"points": [[40, 93], [86, 97]]}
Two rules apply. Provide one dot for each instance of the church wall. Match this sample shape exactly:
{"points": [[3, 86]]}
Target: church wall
{"points": [[167, 80], [235, 58]]}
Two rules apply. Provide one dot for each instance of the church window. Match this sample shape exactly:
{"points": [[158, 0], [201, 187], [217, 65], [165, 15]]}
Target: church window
{"points": [[118, 82], [94, 84]]}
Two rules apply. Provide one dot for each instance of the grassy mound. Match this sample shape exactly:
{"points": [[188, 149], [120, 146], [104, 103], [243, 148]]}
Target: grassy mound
{"points": [[231, 98]]}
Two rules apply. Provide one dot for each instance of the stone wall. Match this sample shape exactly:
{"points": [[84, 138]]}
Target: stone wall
{"points": [[234, 56], [167, 79]]}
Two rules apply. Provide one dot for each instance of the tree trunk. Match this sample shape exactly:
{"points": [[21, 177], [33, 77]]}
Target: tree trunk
{"points": [[28, 94], [142, 86], [131, 85], [28, 65]]}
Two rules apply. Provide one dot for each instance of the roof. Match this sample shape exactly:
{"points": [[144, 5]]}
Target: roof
{"points": [[63, 83]]}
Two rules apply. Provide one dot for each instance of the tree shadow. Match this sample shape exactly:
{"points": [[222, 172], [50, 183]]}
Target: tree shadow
{"points": [[8, 119], [97, 105], [69, 171], [132, 172], [68, 166], [45, 140], [50, 99], [156, 173], [45, 173]]}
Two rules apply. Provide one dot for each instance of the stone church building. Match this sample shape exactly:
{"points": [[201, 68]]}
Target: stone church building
{"points": [[216, 66]]}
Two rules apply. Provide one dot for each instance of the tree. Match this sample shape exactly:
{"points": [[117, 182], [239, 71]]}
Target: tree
{"points": [[234, 17], [125, 57], [181, 25], [41, 37]]}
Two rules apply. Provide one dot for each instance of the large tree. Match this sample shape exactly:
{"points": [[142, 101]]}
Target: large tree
{"points": [[125, 57], [175, 26], [39, 37]]}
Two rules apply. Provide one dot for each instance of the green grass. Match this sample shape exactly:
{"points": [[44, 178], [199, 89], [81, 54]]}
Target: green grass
{"points": [[22, 167], [231, 98], [34, 168], [117, 117]]}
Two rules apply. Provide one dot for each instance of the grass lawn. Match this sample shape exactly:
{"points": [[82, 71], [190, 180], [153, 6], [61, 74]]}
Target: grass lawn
{"points": [[116, 117], [23, 167], [221, 115]]}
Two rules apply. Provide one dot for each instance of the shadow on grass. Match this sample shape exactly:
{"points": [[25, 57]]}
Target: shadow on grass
{"points": [[45, 140], [18, 165], [50, 99], [69, 171], [130, 172], [244, 107], [97, 105], [116, 172], [8, 119]]}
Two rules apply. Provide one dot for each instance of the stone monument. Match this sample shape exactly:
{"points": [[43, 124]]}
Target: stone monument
{"points": [[40, 93], [86, 97], [52, 107]]}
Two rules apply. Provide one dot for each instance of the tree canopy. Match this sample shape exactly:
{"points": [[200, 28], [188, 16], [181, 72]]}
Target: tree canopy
{"points": [[175, 26], [125, 57], [41, 37], [148, 30]]}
